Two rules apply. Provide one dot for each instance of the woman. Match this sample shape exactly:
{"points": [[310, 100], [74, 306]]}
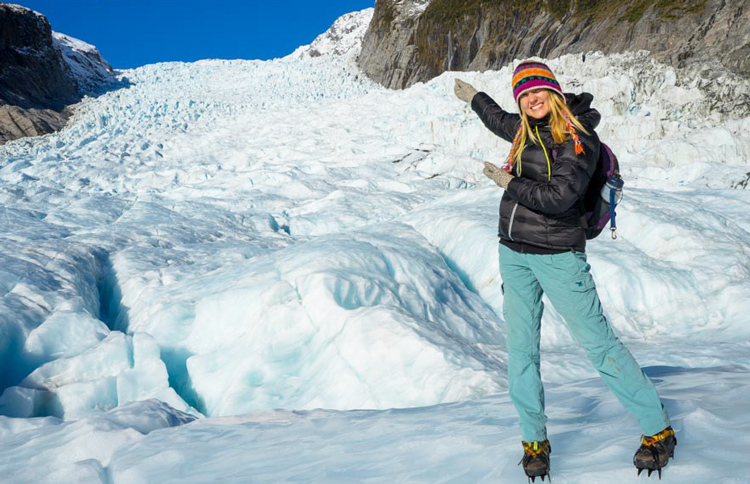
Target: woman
{"points": [[542, 247]]}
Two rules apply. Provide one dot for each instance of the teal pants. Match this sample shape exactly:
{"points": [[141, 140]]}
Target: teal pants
{"points": [[567, 281]]}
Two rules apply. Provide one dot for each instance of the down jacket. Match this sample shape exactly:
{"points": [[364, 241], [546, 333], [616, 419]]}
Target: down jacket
{"points": [[542, 210]]}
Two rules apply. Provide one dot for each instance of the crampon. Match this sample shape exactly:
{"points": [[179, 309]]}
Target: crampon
{"points": [[535, 460], [655, 451]]}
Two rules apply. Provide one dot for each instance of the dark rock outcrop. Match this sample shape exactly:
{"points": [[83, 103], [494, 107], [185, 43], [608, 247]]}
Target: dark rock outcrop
{"points": [[389, 53], [37, 85], [408, 42]]}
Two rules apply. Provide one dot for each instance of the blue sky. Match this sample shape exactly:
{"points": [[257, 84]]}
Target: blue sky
{"points": [[131, 33]]}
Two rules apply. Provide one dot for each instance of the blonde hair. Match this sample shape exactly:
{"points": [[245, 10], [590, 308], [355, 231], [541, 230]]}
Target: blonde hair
{"points": [[562, 123]]}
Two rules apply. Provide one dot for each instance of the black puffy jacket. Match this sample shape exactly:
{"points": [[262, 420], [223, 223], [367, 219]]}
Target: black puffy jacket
{"points": [[542, 210]]}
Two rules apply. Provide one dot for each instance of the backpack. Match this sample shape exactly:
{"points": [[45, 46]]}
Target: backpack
{"points": [[603, 194]]}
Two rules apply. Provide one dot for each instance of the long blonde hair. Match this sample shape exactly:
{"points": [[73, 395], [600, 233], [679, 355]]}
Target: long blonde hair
{"points": [[562, 123]]}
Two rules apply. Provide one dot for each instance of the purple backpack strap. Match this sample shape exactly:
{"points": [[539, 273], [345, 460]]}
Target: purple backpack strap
{"points": [[609, 166]]}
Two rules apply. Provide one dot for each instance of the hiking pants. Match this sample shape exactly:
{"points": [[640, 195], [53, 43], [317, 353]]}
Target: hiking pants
{"points": [[566, 280]]}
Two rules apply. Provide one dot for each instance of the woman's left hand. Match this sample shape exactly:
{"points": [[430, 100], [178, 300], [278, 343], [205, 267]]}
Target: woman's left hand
{"points": [[501, 177]]}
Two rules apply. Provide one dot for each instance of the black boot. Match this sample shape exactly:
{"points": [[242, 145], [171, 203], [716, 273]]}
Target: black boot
{"points": [[535, 459], [655, 451]]}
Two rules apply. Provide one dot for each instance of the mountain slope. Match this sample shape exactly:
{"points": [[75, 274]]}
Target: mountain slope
{"points": [[410, 41], [41, 74], [344, 36]]}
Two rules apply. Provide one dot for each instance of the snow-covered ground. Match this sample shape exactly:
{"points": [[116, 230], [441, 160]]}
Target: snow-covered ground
{"points": [[204, 260]]}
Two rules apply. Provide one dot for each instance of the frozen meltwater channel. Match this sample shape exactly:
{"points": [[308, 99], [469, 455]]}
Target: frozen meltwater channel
{"points": [[251, 241]]}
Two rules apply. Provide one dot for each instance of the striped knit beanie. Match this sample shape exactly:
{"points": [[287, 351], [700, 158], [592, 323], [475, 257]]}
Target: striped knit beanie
{"points": [[532, 75]]}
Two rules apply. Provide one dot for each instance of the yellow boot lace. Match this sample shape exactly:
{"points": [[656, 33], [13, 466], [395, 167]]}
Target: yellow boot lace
{"points": [[535, 448], [650, 440]]}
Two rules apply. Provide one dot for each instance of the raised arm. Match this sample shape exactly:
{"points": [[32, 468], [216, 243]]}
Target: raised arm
{"points": [[497, 120]]}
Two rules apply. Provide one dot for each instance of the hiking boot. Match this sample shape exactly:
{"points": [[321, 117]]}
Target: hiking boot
{"points": [[655, 451], [535, 459]]}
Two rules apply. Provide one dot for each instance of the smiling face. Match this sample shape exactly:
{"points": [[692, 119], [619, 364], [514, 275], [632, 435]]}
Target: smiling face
{"points": [[535, 103]]}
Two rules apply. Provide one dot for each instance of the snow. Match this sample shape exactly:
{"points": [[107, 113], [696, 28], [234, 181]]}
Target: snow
{"points": [[22, 9], [344, 37], [87, 67], [280, 271], [78, 451]]}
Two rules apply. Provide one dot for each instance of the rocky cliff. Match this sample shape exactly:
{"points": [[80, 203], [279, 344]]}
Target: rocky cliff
{"points": [[40, 75], [409, 41]]}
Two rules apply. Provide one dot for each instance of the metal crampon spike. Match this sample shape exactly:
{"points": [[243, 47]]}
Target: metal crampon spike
{"points": [[659, 471], [649, 472], [640, 469]]}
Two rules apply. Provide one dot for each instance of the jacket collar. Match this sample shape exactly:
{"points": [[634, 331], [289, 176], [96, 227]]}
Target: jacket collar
{"points": [[539, 122]]}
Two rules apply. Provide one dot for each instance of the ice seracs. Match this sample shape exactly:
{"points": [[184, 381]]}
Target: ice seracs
{"points": [[207, 200], [271, 237]]}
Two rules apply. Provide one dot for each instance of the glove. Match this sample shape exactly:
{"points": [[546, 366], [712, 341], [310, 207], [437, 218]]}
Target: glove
{"points": [[464, 91], [497, 175]]}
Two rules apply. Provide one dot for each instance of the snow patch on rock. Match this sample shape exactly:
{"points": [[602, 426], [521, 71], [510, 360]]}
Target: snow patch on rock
{"points": [[344, 37], [89, 69]]}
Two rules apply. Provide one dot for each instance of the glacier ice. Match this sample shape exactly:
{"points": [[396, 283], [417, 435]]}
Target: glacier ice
{"points": [[170, 208], [249, 241]]}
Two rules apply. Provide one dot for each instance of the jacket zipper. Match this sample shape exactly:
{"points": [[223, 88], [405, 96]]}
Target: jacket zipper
{"points": [[546, 156], [518, 170], [510, 224]]}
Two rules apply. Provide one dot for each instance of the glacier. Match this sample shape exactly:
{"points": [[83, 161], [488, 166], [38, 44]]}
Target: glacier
{"points": [[271, 271]]}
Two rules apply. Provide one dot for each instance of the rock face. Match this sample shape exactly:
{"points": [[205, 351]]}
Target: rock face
{"points": [[409, 41], [37, 85], [389, 53]]}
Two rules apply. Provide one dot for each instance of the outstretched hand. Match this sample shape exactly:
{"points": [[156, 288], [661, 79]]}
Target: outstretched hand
{"points": [[501, 177], [464, 91]]}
